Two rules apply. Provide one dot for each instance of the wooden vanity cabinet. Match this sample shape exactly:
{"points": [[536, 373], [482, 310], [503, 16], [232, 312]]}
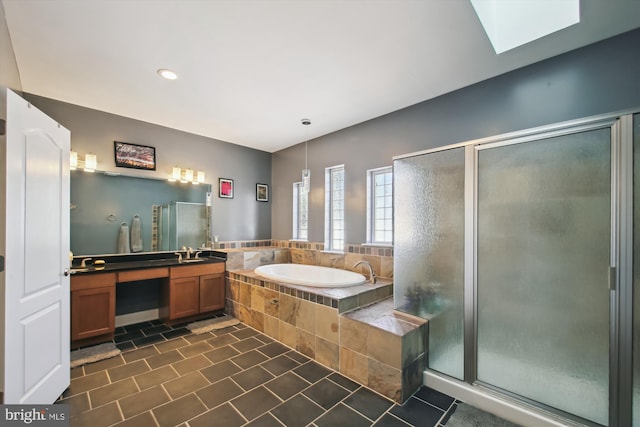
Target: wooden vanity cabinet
{"points": [[184, 297], [195, 289], [211, 292], [93, 305]]}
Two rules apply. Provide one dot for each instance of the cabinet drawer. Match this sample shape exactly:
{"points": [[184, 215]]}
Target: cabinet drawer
{"points": [[90, 281], [196, 270], [143, 274]]}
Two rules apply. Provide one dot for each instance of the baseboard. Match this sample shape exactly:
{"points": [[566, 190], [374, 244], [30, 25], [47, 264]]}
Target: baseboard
{"points": [[137, 317]]}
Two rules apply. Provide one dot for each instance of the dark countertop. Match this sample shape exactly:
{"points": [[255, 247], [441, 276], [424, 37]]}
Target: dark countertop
{"points": [[122, 262]]}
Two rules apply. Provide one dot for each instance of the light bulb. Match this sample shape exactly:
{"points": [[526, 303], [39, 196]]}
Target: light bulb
{"points": [[90, 163], [73, 160], [175, 174]]}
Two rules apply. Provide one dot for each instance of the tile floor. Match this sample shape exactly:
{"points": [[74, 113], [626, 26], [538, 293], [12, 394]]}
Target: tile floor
{"points": [[235, 376]]}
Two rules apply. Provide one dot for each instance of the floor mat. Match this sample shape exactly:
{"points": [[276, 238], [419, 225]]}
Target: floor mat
{"points": [[208, 325], [468, 416], [93, 354]]}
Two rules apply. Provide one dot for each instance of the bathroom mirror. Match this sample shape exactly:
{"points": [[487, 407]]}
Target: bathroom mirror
{"points": [[168, 214]]}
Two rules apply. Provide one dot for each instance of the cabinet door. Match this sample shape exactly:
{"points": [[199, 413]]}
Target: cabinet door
{"points": [[93, 312], [211, 292], [184, 297]]}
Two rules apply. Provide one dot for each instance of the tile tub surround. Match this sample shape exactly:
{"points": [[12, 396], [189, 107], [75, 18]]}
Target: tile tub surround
{"points": [[372, 346], [391, 345], [250, 258], [249, 255]]}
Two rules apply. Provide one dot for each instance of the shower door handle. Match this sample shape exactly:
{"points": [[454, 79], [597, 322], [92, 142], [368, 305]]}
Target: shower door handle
{"points": [[612, 278]]}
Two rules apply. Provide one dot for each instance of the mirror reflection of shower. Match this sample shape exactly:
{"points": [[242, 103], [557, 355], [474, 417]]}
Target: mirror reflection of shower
{"points": [[183, 224], [101, 203]]}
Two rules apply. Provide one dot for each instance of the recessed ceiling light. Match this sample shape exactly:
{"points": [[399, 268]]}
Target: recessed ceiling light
{"points": [[167, 74]]}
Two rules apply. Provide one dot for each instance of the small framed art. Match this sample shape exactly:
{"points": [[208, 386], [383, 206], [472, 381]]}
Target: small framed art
{"points": [[225, 188], [134, 156], [262, 192]]}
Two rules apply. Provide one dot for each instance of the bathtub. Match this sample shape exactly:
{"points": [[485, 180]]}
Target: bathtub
{"points": [[310, 275]]}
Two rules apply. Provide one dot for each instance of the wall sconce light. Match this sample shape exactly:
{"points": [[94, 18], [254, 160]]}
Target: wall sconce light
{"points": [[187, 175], [90, 162], [73, 160], [176, 174]]}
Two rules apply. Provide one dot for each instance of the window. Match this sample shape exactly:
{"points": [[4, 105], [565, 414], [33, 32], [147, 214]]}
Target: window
{"points": [[379, 206], [334, 208], [300, 212]]}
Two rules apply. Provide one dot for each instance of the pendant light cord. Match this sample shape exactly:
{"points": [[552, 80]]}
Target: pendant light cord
{"points": [[306, 122], [306, 173]]}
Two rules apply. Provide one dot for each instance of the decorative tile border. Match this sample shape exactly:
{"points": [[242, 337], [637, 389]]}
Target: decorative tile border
{"points": [[155, 217], [242, 244], [350, 248]]}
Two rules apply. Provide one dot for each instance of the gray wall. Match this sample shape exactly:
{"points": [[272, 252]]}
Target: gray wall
{"points": [[9, 76], [240, 218], [601, 78]]}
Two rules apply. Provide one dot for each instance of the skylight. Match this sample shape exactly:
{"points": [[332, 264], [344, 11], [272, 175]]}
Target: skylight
{"points": [[512, 23]]}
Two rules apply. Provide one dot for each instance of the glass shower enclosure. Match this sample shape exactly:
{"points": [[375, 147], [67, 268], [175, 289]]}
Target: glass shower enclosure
{"points": [[511, 248], [429, 251], [183, 224]]}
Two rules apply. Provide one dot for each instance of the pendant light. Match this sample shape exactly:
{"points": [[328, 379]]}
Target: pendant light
{"points": [[306, 173]]}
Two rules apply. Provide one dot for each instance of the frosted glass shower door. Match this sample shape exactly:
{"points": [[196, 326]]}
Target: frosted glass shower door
{"points": [[429, 250], [543, 256]]}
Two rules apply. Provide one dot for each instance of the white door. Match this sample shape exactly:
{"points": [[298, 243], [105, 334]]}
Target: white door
{"points": [[36, 359]]}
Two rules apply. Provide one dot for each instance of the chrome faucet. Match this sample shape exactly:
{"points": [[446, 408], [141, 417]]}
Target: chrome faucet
{"points": [[83, 264], [372, 274], [188, 251], [179, 257]]}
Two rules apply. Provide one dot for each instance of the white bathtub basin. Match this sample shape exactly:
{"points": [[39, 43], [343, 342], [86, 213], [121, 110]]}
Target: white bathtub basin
{"points": [[310, 275]]}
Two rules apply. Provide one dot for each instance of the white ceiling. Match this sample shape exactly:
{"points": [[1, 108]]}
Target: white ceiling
{"points": [[249, 70]]}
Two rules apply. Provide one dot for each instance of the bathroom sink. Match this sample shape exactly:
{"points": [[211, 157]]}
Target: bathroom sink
{"points": [[187, 261]]}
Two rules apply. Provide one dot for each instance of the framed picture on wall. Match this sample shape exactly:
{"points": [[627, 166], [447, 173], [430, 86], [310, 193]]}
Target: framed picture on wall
{"points": [[262, 192], [134, 156], [225, 188]]}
